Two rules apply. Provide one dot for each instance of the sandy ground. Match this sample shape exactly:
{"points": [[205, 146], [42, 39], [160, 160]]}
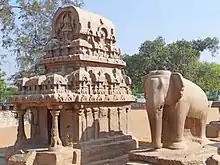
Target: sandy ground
{"points": [[139, 125], [8, 135]]}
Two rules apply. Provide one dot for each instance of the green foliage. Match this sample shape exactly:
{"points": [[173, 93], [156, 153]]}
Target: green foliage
{"points": [[207, 76], [181, 56], [2, 86], [5, 91], [27, 29]]}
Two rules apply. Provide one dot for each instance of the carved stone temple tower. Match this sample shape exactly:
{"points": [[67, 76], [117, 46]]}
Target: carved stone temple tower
{"points": [[80, 107]]}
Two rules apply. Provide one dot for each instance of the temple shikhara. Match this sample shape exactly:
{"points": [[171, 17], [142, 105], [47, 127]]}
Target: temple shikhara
{"points": [[80, 106]]}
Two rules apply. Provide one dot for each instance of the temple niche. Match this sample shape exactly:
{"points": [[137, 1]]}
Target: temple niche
{"points": [[80, 107]]}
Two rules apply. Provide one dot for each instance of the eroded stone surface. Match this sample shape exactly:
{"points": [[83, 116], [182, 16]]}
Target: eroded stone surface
{"points": [[195, 154], [84, 96]]}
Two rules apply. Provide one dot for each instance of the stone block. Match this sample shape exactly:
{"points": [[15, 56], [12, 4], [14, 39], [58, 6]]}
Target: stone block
{"points": [[21, 158], [195, 154], [106, 149], [64, 156], [213, 130], [213, 115]]}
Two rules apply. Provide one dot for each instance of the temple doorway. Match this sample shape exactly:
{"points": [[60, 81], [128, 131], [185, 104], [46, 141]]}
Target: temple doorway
{"points": [[49, 125]]}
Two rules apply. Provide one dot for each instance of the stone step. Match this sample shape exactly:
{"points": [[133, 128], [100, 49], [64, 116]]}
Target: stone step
{"points": [[93, 143], [121, 160], [138, 163]]}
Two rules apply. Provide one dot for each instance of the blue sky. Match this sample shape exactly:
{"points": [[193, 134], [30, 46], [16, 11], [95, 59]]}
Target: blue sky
{"points": [[137, 21]]}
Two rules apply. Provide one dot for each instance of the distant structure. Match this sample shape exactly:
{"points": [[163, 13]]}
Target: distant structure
{"points": [[80, 107]]}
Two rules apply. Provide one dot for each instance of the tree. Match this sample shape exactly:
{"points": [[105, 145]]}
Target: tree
{"points": [[181, 56], [27, 29], [2, 86], [207, 76]]}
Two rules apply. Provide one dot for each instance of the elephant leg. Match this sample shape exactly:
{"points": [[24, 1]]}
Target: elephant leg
{"points": [[200, 114], [179, 114], [156, 140], [203, 120]]}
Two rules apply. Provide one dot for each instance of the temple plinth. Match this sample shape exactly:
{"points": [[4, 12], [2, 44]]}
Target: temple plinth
{"points": [[81, 104]]}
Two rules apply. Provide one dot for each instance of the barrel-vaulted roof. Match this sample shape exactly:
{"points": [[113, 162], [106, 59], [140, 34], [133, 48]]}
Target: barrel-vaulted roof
{"points": [[83, 21]]}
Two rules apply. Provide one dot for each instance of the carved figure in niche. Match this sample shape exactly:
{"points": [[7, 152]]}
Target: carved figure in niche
{"points": [[116, 89], [101, 88], [112, 38], [85, 89], [95, 89], [105, 90], [67, 27], [113, 49], [90, 39], [68, 136], [123, 90], [129, 91], [102, 38], [111, 89]]}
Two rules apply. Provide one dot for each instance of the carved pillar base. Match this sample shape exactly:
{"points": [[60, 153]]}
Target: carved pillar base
{"points": [[55, 139], [55, 144]]}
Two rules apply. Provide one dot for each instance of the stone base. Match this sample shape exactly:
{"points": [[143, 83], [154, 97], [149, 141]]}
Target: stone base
{"points": [[196, 154], [112, 150], [64, 156], [106, 150]]}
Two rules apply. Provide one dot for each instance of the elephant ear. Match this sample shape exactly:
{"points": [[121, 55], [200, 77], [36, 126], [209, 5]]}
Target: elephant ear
{"points": [[143, 85], [178, 84]]}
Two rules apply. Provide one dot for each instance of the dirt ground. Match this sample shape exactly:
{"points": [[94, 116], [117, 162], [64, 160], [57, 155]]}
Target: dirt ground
{"points": [[8, 135], [138, 128], [138, 123]]}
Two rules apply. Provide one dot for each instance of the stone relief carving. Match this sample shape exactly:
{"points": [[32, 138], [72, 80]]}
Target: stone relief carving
{"points": [[79, 36], [83, 75]]}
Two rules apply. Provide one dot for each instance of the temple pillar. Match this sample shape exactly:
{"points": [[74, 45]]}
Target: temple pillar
{"points": [[21, 137], [119, 119], [55, 138], [96, 122], [35, 129], [81, 124], [103, 121], [90, 125], [114, 121], [123, 119], [128, 108]]}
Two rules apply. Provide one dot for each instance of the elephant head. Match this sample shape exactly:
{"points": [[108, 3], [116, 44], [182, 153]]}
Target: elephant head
{"points": [[161, 88]]}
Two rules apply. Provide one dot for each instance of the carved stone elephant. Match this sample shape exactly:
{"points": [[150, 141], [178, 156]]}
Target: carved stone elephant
{"points": [[169, 94]]}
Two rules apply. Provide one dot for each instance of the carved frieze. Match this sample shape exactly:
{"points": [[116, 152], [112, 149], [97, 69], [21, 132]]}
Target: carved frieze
{"points": [[78, 33], [90, 38]]}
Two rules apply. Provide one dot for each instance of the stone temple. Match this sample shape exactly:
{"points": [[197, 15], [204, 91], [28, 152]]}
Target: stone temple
{"points": [[80, 106]]}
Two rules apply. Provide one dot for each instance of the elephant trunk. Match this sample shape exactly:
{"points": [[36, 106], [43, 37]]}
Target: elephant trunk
{"points": [[155, 118]]}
